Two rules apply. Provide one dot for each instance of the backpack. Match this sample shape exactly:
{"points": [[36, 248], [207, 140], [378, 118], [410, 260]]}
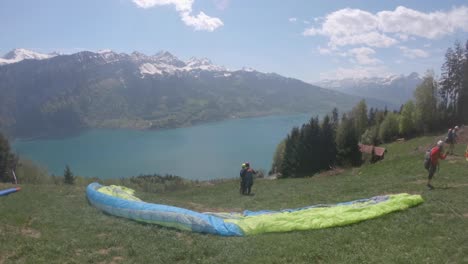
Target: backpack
{"points": [[427, 159]]}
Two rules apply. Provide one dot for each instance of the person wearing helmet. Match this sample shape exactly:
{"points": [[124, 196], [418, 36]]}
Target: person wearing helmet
{"points": [[436, 154], [242, 176]]}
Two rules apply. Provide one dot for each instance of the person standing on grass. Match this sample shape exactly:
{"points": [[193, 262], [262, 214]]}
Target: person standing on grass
{"points": [[249, 174], [452, 139], [436, 154], [242, 177]]}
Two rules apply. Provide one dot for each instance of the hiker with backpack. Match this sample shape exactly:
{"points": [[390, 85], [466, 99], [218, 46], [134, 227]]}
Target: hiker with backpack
{"points": [[431, 162]]}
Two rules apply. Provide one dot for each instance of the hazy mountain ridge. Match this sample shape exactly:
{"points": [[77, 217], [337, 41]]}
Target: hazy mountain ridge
{"points": [[395, 89], [64, 94]]}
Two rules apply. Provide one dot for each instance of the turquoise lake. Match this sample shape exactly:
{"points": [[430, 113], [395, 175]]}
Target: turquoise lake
{"points": [[209, 151]]}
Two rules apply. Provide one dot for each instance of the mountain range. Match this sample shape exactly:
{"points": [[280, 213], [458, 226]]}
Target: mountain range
{"points": [[394, 89], [55, 94]]}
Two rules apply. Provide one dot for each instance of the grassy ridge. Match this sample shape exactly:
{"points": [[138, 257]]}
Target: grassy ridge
{"points": [[48, 223]]}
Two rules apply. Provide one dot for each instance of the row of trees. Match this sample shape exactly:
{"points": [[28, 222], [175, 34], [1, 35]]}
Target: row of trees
{"points": [[437, 104]]}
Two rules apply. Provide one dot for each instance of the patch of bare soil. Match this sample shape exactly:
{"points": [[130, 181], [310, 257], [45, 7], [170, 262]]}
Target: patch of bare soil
{"points": [[29, 232], [116, 259], [332, 172], [419, 181]]}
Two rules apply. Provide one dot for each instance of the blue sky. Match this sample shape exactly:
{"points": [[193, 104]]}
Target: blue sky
{"points": [[305, 39]]}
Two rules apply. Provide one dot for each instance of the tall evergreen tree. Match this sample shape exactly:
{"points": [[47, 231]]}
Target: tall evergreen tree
{"points": [[389, 128], [8, 160], [359, 114], [347, 143], [463, 96], [451, 81], [426, 103], [290, 162], [327, 155], [68, 177], [406, 122], [371, 117]]}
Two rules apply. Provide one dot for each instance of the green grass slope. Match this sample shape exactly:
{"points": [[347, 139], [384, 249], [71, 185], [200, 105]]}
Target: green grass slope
{"points": [[55, 224]]}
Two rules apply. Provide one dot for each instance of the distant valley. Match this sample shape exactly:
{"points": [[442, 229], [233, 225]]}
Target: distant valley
{"points": [[396, 89], [57, 95]]}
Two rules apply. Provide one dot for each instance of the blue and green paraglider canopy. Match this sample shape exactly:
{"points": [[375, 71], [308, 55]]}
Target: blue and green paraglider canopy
{"points": [[121, 201]]}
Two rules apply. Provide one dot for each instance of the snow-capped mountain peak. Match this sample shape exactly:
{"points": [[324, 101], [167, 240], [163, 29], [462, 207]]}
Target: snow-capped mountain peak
{"points": [[138, 56], [202, 64], [396, 89], [104, 51], [18, 55], [247, 69], [194, 62], [169, 59]]}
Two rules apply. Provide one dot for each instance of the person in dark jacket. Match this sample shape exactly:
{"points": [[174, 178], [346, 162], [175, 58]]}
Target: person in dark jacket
{"points": [[452, 138], [436, 154], [249, 174], [242, 177]]}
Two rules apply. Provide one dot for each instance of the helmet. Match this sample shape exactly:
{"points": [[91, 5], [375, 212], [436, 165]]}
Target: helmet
{"points": [[247, 164], [456, 127], [440, 143], [243, 165]]}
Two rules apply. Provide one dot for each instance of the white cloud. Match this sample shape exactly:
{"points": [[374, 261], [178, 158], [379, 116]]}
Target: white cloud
{"points": [[292, 19], [358, 27], [413, 53], [372, 39], [427, 25], [357, 72], [364, 55], [307, 22], [201, 21], [180, 5], [184, 7]]}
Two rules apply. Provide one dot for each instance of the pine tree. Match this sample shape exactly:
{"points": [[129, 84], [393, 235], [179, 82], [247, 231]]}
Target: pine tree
{"points": [[347, 143], [359, 114], [68, 177], [426, 103], [8, 160], [290, 162], [406, 123], [327, 152], [451, 81], [389, 128], [371, 117], [463, 96]]}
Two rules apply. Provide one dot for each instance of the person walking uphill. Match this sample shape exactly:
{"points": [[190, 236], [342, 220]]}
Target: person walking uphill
{"points": [[436, 154], [249, 174]]}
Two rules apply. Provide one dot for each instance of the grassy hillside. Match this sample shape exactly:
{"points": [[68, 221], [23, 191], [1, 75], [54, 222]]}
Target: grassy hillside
{"points": [[49, 223]]}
